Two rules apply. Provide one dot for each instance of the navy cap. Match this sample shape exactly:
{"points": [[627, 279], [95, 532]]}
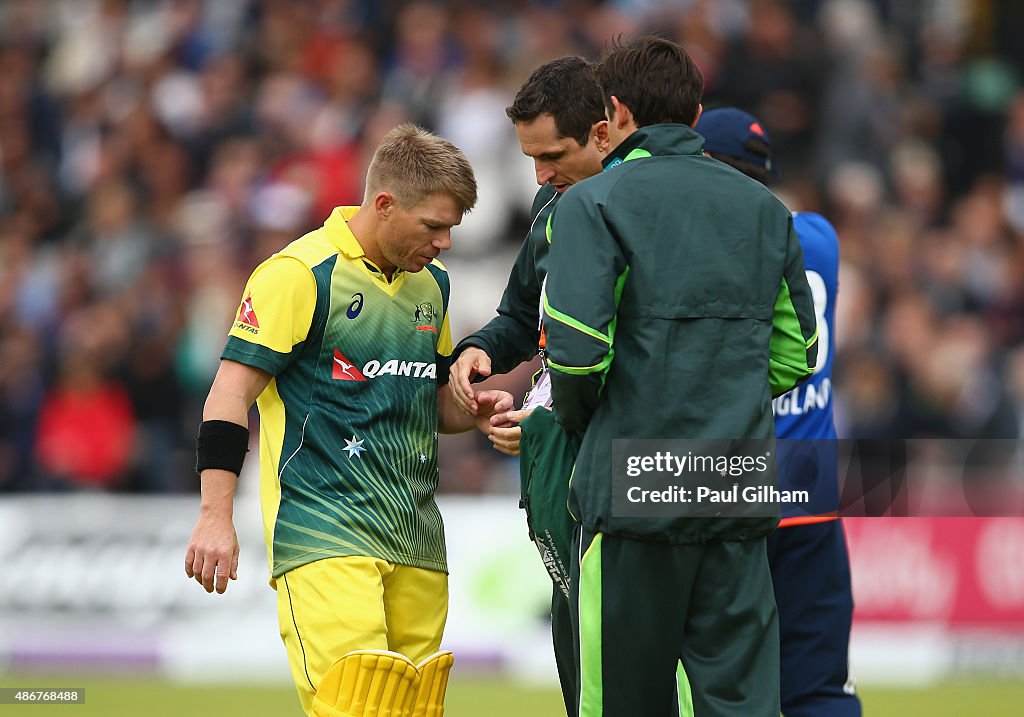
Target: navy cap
{"points": [[732, 132]]}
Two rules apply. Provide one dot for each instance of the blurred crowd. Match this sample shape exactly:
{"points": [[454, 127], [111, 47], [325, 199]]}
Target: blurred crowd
{"points": [[152, 152]]}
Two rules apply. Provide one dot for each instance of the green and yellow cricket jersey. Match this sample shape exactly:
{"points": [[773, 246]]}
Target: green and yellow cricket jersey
{"points": [[348, 435]]}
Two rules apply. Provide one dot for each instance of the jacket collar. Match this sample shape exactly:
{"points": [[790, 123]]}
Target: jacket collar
{"points": [[656, 140]]}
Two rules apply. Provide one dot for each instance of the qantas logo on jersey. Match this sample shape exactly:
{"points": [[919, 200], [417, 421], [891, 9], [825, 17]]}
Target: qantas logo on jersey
{"points": [[246, 319], [345, 370]]}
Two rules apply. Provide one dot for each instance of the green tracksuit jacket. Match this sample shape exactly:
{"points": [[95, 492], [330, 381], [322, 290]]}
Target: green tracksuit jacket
{"points": [[676, 306]]}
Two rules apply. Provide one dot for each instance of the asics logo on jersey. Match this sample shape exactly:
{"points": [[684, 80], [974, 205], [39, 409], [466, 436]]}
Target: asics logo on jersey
{"points": [[345, 370], [355, 307]]}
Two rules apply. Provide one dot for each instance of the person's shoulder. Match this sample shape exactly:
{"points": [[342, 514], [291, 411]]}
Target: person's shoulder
{"points": [[437, 271], [703, 169], [819, 242], [282, 267], [595, 188], [310, 249], [815, 231], [545, 196], [297, 261], [812, 222]]}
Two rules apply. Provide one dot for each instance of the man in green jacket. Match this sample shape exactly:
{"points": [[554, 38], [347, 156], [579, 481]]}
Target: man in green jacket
{"points": [[559, 119], [675, 307]]}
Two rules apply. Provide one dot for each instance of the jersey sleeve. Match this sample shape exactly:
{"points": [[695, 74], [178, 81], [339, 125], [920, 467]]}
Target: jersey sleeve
{"points": [[443, 355], [794, 339], [444, 347], [585, 282], [275, 315]]}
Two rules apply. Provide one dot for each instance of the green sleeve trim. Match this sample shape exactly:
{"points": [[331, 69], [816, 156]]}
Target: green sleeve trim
{"points": [[547, 227], [591, 631], [620, 285], [638, 153], [584, 370], [605, 362], [788, 362], [255, 355], [683, 692], [814, 338], [573, 323]]}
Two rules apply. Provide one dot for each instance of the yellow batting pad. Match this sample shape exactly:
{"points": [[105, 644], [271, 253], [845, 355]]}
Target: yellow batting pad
{"points": [[367, 683], [433, 673]]}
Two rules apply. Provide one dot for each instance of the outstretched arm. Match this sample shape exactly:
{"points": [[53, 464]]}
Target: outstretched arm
{"points": [[212, 555], [451, 419]]}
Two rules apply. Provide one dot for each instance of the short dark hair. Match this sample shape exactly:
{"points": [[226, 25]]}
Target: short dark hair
{"points": [[748, 168], [566, 89], [655, 78]]}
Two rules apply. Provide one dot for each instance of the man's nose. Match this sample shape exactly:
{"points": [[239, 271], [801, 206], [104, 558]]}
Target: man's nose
{"points": [[443, 241]]}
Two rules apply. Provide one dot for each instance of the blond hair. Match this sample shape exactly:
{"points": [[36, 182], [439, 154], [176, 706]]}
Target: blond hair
{"points": [[412, 164]]}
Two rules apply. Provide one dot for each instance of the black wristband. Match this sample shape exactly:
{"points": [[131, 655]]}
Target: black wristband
{"points": [[221, 445]]}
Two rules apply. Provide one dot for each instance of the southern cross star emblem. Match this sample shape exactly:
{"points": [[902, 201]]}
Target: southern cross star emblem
{"points": [[354, 446], [423, 457]]}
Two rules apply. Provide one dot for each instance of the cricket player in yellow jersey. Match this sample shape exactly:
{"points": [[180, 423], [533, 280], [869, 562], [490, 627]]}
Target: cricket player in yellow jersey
{"points": [[342, 339]]}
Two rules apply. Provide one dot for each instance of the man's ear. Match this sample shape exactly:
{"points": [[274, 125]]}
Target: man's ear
{"points": [[621, 115], [599, 133], [383, 203], [700, 111]]}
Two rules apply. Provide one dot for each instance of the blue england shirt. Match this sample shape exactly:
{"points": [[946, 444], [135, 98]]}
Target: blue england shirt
{"points": [[803, 417]]}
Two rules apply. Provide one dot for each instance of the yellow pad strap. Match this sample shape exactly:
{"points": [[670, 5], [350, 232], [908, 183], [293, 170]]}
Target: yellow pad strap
{"points": [[367, 683], [433, 671]]}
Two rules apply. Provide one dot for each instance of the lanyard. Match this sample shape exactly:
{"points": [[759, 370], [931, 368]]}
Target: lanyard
{"points": [[542, 343]]}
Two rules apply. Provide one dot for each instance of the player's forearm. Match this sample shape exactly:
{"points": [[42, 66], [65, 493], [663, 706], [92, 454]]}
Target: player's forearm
{"points": [[234, 390], [218, 486], [449, 418], [218, 493]]}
